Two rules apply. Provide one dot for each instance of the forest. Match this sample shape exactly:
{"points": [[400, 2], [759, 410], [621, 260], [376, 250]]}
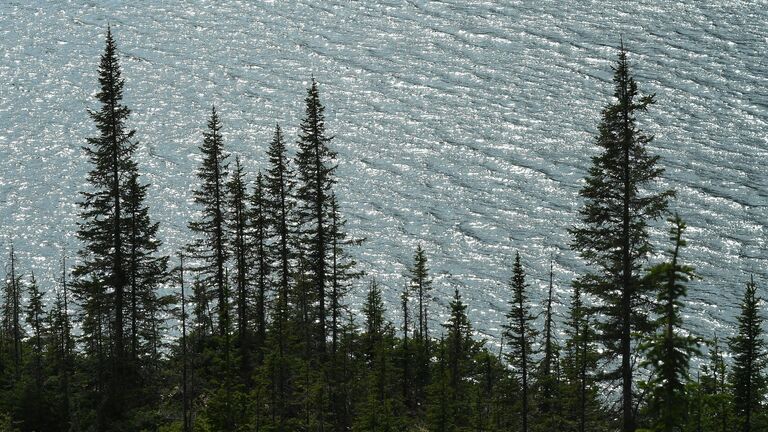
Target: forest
{"points": [[248, 327]]}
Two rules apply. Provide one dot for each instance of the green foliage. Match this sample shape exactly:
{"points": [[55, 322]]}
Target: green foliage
{"points": [[284, 249], [421, 285], [579, 364], [668, 351], [520, 335], [613, 234], [315, 167], [749, 351], [211, 246]]}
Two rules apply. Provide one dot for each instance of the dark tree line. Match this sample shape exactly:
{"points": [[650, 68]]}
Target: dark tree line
{"points": [[257, 334]]}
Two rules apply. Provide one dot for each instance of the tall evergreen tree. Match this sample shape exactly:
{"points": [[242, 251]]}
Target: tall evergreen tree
{"points": [[749, 353], [342, 270], [101, 276], [315, 164], [35, 321], [460, 352], [613, 235], [548, 375], [279, 211], [237, 223], [406, 367], [60, 347], [186, 410], [519, 333], [211, 247], [668, 351], [13, 330], [259, 229], [279, 189], [145, 270], [421, 285]]}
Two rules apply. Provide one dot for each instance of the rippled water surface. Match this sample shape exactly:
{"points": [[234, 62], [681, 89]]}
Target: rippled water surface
{"points": [[466, 126]]}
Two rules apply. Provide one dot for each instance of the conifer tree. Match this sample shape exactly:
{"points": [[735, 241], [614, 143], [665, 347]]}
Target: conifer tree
{"points": [[59, 348], [381, 407], [406, 368], [749, 351], [716, 412], [35, 321], [613, 234], [238, 212], [421, 285], [548, 376], [146, 271], [278, 194], [201, 312], [315, 165], [375, 324], [460, 351], [259, 228], [579, 364], [237, 221], [102, 274], [342, 270], [441, 409], [519, 333], [668, 352], [211, 246], [13, 330], [185, 400]]}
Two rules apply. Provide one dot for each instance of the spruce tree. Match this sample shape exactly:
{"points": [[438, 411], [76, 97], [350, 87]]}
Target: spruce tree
{"points": [[375, 324], [749, 353], [668, 351], [613, 235], [548, 374], [441, 409], [579, 364], [315, 165], [381, 406], [279, 188], [35, 321], [259, 229], [59, 348], [211, 246], [519, 333], [102, 274], [406, 367], [186, 411], [342, 270], [237, 223], [716, 412], [211, 250], [460, 352], [146, 270], [421, 285], [13, 330]]}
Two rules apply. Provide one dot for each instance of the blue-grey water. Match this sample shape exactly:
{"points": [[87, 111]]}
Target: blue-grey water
{"points": [[465, 125]]}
